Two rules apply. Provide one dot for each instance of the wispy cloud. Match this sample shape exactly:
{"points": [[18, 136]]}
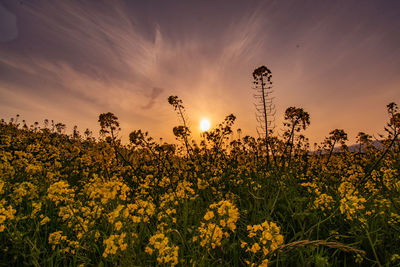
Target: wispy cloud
{"points": [[87, 57], [97, 54], [155, 93]]}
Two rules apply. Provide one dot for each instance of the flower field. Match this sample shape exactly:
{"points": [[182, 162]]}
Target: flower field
{"points": [[72, 200]]}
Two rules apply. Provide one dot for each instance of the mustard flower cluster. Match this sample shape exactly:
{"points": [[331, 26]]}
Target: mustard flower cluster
{"points": [[265, 238], [139, 211], [103, 192], [6, 214], [75, 200], [219, 220], [56, 238], [114, 243], [322, 201], [350, 202], [24, 189], [60, 192], [165, 251], [171, 201]]}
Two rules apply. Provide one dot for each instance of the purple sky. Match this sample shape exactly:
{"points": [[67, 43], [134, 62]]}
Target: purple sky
{"points": [[72, 60]]}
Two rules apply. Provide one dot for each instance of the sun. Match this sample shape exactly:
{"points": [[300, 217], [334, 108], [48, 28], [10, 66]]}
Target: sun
{"points": [[204, 125]]}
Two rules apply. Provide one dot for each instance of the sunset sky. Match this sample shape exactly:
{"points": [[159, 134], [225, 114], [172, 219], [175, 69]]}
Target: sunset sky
{"points": [[69, 61]]}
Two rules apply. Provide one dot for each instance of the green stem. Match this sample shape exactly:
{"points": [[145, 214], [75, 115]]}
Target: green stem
{"points": [[373, 248]]}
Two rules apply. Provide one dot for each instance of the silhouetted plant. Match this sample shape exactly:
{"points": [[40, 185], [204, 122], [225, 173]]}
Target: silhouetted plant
{"points": [[182, 132], [75, 133], [218, 135], [24, 126], [109, 125], [392, 129], [60, 127], [364, 140], [138, 138], [88, 135], [69, 202], [295, 120], [249, 144], [265, 114], [336, 136], [393, 126]]}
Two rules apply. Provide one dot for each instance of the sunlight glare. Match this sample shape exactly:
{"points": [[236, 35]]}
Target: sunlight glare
{"points": [[204, 125]]}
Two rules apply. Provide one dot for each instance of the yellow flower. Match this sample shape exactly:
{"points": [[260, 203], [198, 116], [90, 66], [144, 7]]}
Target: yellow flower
{"points": [[165, 251], [220, 218], [60, 192], [24, 189], [44, 220], [6, 214], [264, 263], [113, 243], [209, 215], [255, 248], [118, 225], [148, 250], [395, 257], [266, 237], [56, 238]]}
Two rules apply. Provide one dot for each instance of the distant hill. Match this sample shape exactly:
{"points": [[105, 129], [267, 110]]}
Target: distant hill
{"points": [[356, 147]]}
